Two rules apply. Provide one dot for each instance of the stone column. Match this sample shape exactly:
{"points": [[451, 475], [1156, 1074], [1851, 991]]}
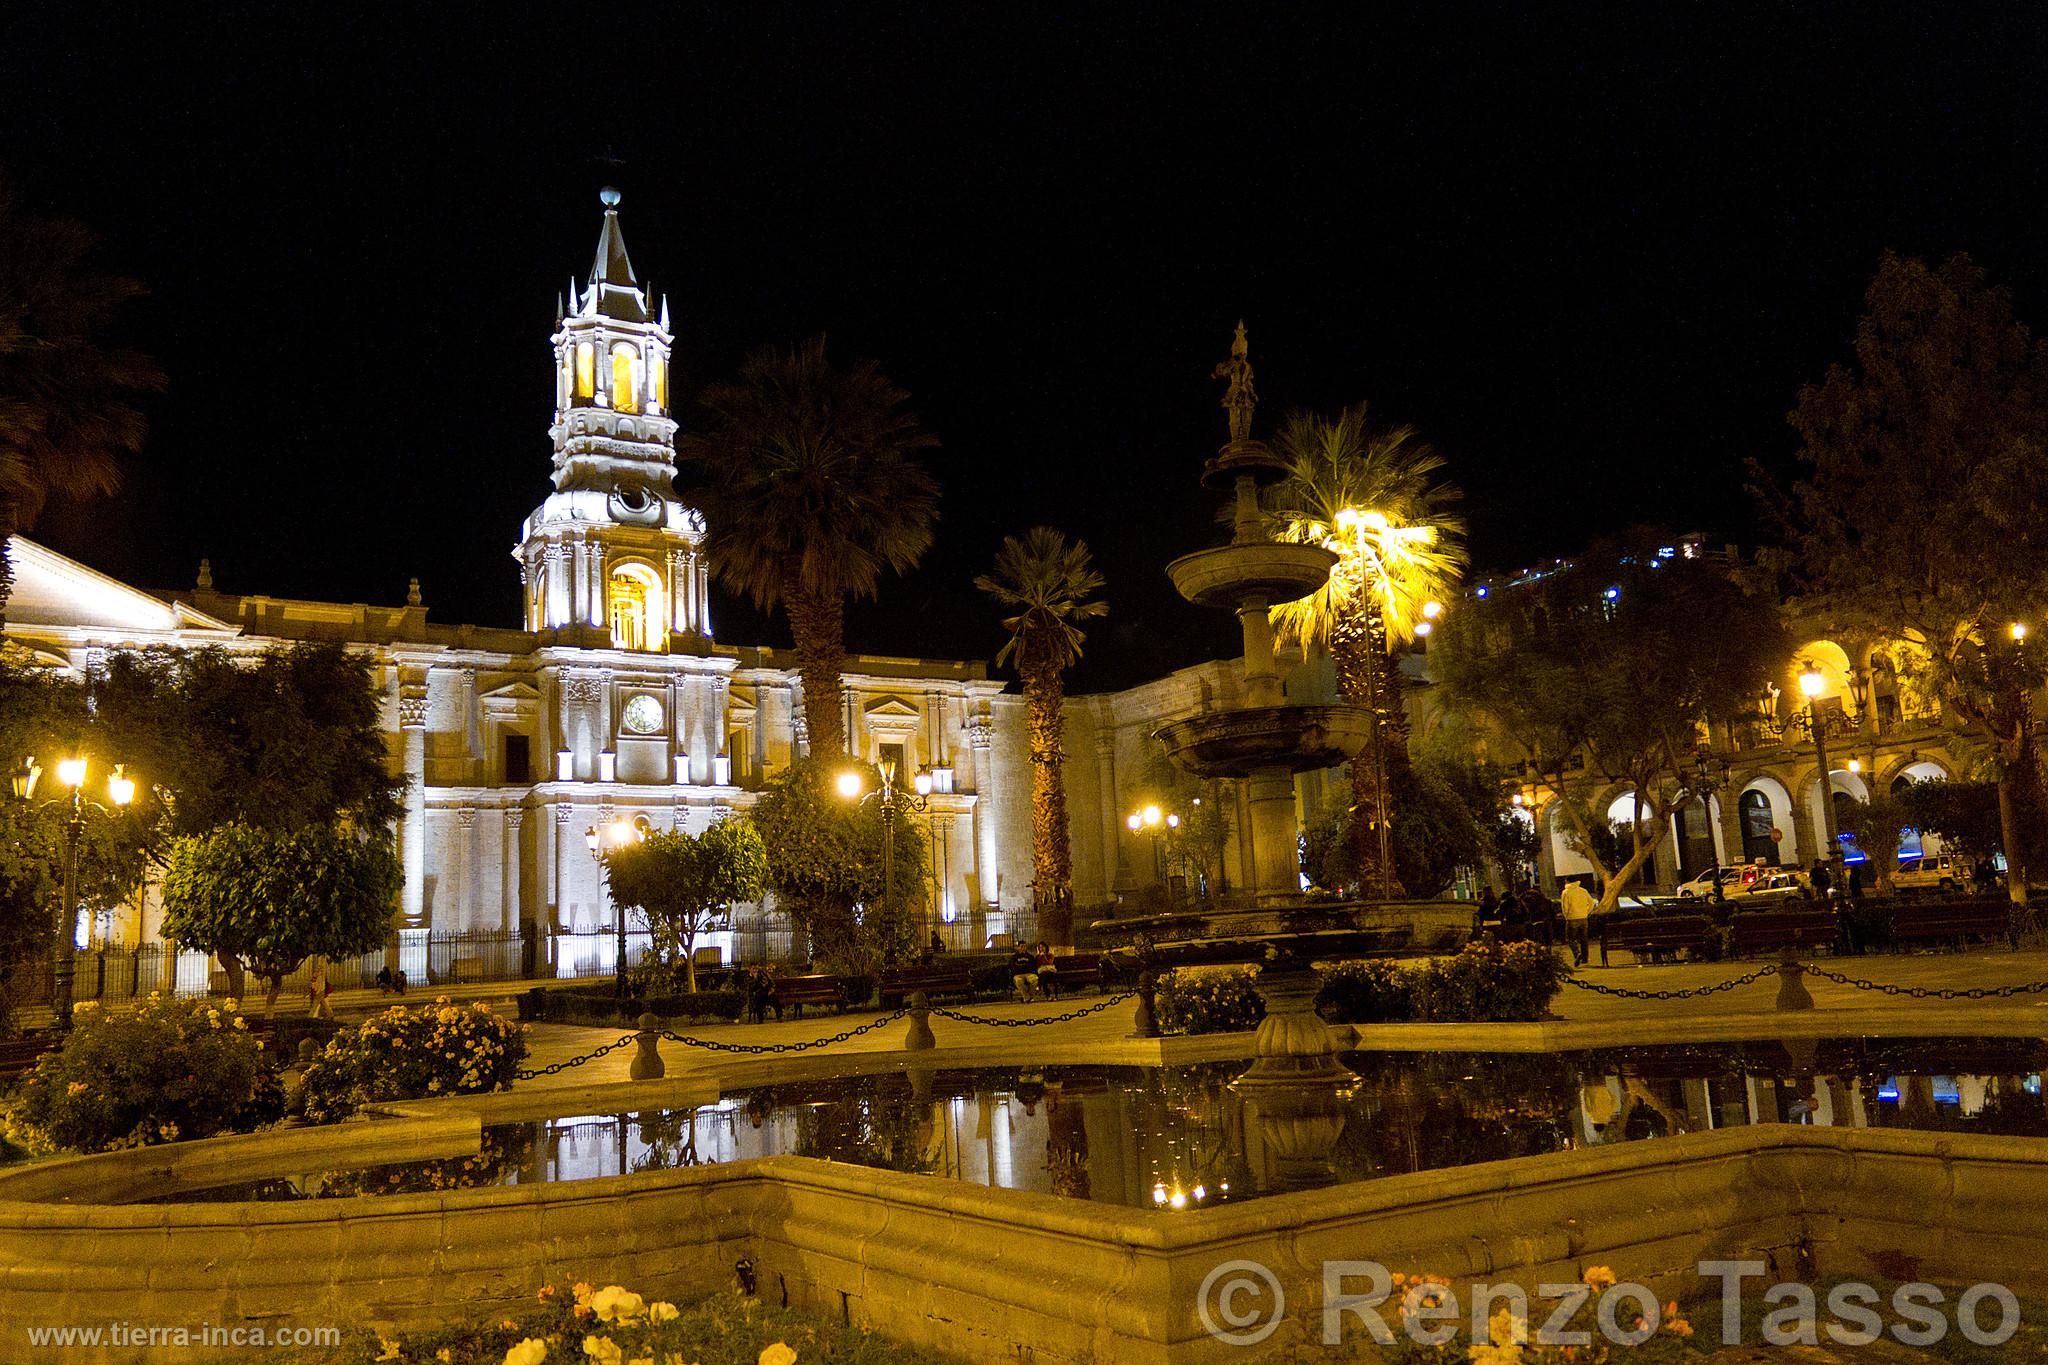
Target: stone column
{"points": [[515, 854], [981, 736], [412, 833], [703, 595], [1270, 793], [465, 872], [557, 611], [1111, 808], [682, 589]]}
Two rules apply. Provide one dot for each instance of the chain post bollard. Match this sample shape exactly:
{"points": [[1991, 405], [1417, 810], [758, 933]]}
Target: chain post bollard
{"points": [[918, 1037], [1146, 1026], [647, 1064], [1792, 992]]}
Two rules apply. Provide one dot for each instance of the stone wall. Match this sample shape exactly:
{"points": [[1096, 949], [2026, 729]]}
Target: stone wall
{"points": [[978, 1271]]}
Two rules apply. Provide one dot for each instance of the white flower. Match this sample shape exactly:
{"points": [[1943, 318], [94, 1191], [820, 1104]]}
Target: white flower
{"points": [[531, 1351]]}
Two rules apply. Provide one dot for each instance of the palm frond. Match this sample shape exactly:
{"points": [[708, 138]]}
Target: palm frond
{"points": [[1377, 500], [1052, 583]]}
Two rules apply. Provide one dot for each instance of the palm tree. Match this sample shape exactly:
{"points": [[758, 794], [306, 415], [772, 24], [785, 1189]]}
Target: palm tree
{"points": [[811, 488], [64, 411], [1375, 498], [1050, 584]]}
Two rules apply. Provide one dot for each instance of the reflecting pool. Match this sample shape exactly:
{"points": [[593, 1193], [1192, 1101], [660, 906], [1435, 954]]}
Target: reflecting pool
{"points": [[1182, 1137]]}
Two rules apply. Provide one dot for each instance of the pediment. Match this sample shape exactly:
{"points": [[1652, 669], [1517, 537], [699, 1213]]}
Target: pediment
{"points": [[890, 708], [514, 693], [57, 592]]}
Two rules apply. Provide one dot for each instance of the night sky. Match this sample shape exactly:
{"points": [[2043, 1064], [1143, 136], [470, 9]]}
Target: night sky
{"points": [[1591, 252]]}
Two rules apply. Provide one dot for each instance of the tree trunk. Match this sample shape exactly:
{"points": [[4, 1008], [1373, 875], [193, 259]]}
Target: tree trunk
{"points": [[1052, 858], [1361, 677], [2009, 835], [817, 622], [690, 962], [238, 977]]}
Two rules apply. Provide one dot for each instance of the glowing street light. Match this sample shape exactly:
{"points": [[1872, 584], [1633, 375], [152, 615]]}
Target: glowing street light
{"points": [[617, 833], [852, 787], [850, 784], [72, 773], [2019, 632]]}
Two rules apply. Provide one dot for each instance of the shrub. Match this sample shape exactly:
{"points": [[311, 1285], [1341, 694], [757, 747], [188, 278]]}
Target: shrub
{"points": [[1208, 1000], [1376, 991], [1489, 981], [165, 1070], [410, 1053]]}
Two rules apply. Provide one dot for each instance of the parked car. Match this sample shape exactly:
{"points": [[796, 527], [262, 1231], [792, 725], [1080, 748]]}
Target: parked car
{"points": [[1920, 874], [1773, 885], [1702, 886]]}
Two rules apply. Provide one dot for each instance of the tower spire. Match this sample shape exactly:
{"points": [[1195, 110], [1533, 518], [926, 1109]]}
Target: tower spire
{"points": [[614, 290]]}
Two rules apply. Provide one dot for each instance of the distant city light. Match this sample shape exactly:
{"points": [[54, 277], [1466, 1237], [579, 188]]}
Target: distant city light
{"points": [[1612, 594]]}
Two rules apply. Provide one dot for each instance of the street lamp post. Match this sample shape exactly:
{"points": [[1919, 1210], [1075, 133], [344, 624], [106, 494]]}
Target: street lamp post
{"points": [[1811, 682], [120, 791], [1710, 775], [850, 787], [618, 834], [1152, 820]]}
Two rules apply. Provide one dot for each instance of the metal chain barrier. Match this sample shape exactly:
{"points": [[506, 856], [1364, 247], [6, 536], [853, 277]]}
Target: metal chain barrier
{"points": [[756, 1049], [1068, 1017], [557, 1068], [1695, 992], [1931, 992]]}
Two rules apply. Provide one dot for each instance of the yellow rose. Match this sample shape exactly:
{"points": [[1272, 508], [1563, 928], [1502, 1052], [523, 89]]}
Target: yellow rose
{"points": [[603, 1350], [777, 1353], [531, 1351], [391, 1348], [613, 1304], [662, 1311]]}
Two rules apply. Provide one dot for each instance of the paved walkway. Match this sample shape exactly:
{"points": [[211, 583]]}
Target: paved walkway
{"points": [[1946, 971]]}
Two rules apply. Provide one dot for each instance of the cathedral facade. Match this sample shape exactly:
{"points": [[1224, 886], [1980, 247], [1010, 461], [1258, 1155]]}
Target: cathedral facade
{"points": [[613, 699]]}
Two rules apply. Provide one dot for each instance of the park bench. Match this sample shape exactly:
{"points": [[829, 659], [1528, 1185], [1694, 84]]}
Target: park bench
{"points": [[1653, 936], [940, 978], [1072, 972], [1951, 922], [794, 992], [1763, 931], [18, 1056]]}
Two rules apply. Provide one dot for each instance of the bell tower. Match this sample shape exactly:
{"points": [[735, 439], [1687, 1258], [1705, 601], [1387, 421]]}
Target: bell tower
{"points": [[612, 559]]}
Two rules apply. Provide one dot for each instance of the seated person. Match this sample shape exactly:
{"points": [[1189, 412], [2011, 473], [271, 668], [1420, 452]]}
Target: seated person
{"points": [[1048, 970], [1024, 973]]}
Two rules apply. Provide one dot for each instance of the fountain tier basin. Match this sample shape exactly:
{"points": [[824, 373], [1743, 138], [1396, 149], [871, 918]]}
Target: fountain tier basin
{"points": [[1232, 574], [1241, 743]]}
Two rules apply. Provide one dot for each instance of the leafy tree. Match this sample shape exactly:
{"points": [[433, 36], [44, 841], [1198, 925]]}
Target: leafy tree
{"points": [[680, 882], [1197, 844], [1877, 826], [811, 488], [1965, 816], [66, 409], [1604, 673], [825, 864], [287, 740], [1374, 498], [268, 899], [1050, 584], [1947, 391], [1435, 834]]}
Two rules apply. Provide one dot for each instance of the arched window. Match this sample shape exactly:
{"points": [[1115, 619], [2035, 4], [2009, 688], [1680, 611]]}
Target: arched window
{"points": [[1756, 828], [635, 599], [586, 369], [657, 379], [625, 378]]}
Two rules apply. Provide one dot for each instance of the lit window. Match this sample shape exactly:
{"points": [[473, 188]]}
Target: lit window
{"points": [[625, 378], [586, 369], [657, 378], [635, 599]]}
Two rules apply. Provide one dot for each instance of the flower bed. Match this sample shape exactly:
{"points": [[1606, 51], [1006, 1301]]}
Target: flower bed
{"points": [[582, 1325], [411, 1052], [1485, 981], [165, 1070]]}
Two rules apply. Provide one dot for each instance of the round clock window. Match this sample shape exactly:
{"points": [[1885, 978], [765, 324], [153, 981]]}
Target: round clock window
{"points": [[643, 715]]}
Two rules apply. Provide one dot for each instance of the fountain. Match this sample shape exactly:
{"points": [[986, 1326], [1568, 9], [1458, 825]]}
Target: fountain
{"points": [[1292, 1084]]}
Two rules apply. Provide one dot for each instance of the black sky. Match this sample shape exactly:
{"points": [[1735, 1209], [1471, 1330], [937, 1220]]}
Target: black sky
{"points": [[1591, 252]]}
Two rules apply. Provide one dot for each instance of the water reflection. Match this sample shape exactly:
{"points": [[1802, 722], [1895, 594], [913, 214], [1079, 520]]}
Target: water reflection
{"points": [[1186, 1137]]}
